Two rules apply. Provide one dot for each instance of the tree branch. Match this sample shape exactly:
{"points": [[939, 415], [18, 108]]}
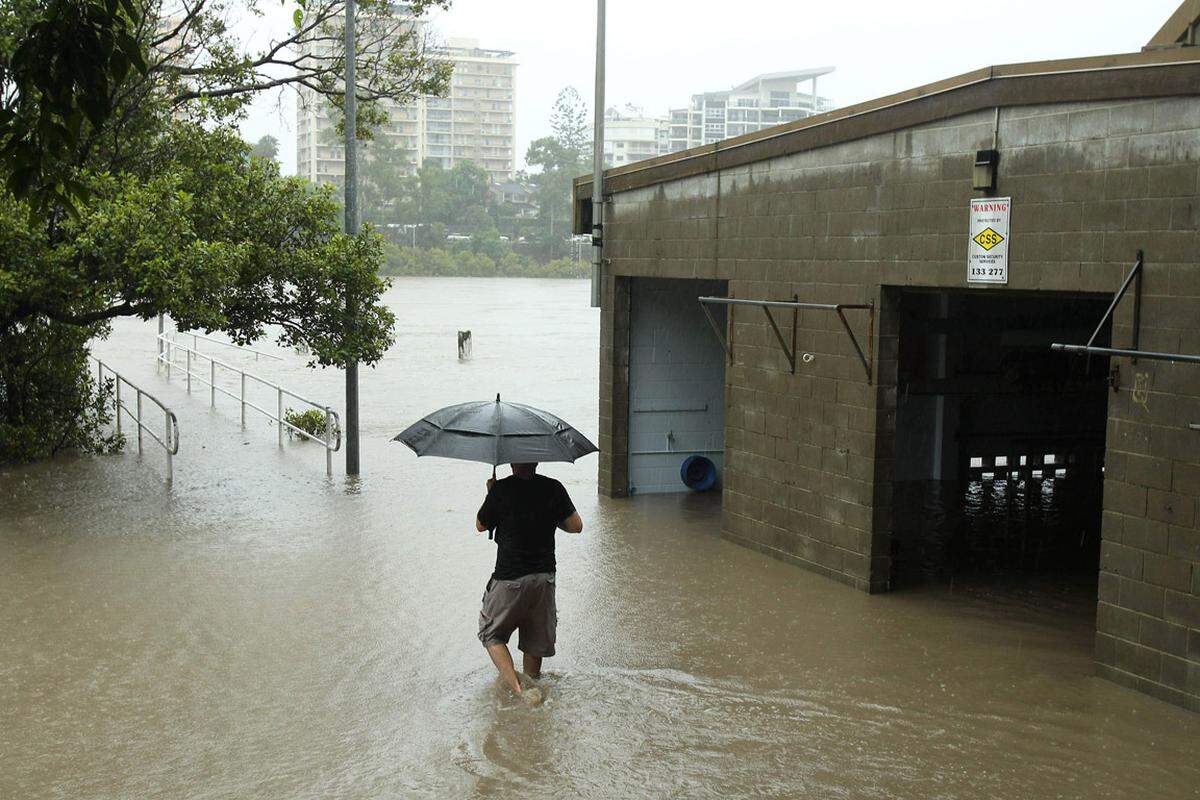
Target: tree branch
{"points": [[92, 317], [191, 14], [230, 91]]}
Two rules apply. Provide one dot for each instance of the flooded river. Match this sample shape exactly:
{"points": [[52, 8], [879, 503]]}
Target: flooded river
{"points": [[261, 631]]}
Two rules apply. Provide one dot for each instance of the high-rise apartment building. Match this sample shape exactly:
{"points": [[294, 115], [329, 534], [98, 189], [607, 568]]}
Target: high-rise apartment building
{"points": [[758, 103], [631, 135], [475, 121]]}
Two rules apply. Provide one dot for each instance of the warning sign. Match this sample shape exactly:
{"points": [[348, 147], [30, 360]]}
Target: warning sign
{"points": [[988, 238], [987, 251]]}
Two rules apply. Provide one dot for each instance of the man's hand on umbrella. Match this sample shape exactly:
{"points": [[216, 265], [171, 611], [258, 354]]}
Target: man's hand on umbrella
{"points": [[490, 483]]}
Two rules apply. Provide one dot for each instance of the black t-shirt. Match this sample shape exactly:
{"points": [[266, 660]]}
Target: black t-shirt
{"points": [[525, 514]]}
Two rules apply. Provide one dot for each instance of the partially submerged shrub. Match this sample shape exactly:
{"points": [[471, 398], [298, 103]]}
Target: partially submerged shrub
{"points": [[311, 422], [50, 399]]}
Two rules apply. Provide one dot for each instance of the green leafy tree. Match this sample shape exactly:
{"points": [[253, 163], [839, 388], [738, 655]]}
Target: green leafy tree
{"points": [[385, 181], [569, 122], [49, 398], [266, 147], [440, 262], [559, 158], [60, 63], [166, 211], [66, 68], [447, 201], [208, 236]]}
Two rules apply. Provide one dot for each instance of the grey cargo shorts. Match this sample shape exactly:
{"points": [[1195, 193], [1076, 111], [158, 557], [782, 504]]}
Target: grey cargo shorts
{"points": [[525, 604]]}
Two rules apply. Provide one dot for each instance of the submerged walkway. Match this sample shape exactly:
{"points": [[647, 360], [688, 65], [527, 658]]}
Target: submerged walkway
{"points": [[260, 631]]}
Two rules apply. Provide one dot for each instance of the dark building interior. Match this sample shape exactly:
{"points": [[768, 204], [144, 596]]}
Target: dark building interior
{"points": [[999, 439]]}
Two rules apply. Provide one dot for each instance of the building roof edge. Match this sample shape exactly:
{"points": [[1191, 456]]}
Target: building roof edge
{"points": [[798, 74], [1177, 26], [756, 146]]}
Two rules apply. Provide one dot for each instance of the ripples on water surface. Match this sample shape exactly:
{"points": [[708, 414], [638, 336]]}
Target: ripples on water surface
{"points": [[260, 631]]}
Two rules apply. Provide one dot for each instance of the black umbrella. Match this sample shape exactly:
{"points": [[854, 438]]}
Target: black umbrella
{"points": [[495, 432]]}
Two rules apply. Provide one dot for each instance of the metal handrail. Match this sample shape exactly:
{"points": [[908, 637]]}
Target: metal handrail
{"points": [[796, 306], [243, 348], [332, 440], [1180, 358], [171, 443]]}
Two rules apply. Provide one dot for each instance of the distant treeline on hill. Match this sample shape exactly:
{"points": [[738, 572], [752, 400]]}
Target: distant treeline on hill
{"points": [[437, 262]]}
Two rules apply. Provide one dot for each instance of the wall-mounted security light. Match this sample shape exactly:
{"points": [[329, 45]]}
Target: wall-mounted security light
{"points": [[983, 177]]}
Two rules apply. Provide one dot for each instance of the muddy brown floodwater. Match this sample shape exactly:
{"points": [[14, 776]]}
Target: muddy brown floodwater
{"points": [[259, 631]]}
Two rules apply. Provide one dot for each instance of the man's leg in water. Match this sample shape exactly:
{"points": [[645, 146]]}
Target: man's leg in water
{"points": [[504, 664], [532, 665]]}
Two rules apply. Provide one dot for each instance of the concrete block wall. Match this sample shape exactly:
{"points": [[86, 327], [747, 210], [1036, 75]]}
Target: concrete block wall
{"points": [[1130, 181], [809, 456], [676, 382], [613, 440], [1148, 618]]}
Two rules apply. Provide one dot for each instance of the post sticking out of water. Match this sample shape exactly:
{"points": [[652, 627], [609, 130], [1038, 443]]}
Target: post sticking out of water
{"points": [[170, 447], [464, 345], [598, 164]]}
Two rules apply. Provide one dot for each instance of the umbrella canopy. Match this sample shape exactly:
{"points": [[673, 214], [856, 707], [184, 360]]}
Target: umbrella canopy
{"points": [[495, 432]]}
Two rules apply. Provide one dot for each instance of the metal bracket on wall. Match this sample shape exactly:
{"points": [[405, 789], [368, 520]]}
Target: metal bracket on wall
{"points": [[1134, 277], [796, 306]]}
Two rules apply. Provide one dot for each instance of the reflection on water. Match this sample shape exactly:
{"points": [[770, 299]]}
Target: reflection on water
{"points": [[260, 631], [1014, 527]]}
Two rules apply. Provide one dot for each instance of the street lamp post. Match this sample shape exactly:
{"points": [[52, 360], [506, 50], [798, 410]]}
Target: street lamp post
{"points": [[598, 164], [351, 189]]}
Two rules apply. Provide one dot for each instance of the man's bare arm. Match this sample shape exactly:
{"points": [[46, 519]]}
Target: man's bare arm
{"points": [[572, 524], [479, 526]]}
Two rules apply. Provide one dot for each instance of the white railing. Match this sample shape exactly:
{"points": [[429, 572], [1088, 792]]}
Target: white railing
{"points": [[332, 439], [170, 439], [198, 337]]}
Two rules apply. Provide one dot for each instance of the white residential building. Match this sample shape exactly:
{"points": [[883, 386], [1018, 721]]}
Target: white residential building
{"points": [[760, 102], [475, 121], [631, 135]]}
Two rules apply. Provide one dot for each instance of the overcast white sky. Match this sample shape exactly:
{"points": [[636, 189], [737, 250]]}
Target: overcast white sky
{"points": [[660, 52]]}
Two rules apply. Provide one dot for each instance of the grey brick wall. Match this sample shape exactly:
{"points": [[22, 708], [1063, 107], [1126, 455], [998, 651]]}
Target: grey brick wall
{"points": [[809, 456]]}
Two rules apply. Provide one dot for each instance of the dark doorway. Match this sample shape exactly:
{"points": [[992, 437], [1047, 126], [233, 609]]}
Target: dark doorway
{"points": [[999, 439]]}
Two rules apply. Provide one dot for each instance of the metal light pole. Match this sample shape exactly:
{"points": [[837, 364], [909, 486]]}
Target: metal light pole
{"points": [[598, 164], [351, 188]]}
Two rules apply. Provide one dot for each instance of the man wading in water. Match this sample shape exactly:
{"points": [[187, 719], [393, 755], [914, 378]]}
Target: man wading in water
{"points": [[524, 510]]}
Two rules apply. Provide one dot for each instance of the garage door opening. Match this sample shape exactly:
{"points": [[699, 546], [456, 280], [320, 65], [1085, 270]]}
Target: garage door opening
{"points": [[676, 385], [999, 439]]}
